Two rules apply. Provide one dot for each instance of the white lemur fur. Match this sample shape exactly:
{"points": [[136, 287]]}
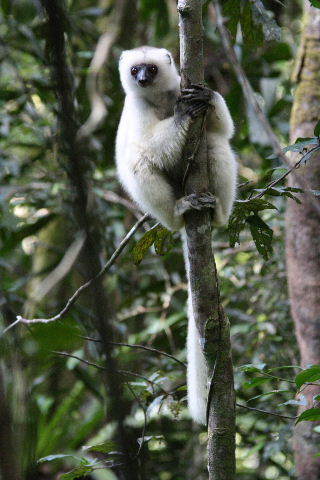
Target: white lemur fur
{"points": [[151, 135]]}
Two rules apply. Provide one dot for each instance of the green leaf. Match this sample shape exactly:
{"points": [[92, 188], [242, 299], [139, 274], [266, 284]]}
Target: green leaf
{"points": [[164, 241], [255, 382], [74, 474], [262, 235], [159, 236], [6, 6], [317, 127], [147, 439], [312, 414], [300, 144], [242, 210], [141, 248], [308, 375], [59, 456], [105, 447], [250, 367], [315, 3]]}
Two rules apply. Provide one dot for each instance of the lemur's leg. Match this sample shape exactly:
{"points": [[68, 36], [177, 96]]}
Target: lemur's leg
{"points": [[156, 196]]}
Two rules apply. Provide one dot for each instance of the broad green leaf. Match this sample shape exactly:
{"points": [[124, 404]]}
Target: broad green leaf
{"points": [[254, 382], [275, 53], [315, 3], [78, 472], [300, 144], [242, 210], [105, 447], [312, 414], [308, 375], [163, 242], [262, 235], [141, 248], [252, 368], [147, 439], [159, 236]]}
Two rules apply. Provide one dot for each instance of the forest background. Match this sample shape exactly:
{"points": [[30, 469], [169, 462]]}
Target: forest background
{"points": [[62, 219]]}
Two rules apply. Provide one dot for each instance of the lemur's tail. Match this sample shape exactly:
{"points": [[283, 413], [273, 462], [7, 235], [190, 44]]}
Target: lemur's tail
{"points": [[197, 374]]}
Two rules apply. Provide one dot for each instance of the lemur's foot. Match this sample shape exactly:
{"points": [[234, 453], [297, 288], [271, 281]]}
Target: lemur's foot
{"points": [[194, 101], [195, 202]]}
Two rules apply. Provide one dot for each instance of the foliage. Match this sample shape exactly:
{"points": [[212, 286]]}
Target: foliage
{"points": [[59, 403]]}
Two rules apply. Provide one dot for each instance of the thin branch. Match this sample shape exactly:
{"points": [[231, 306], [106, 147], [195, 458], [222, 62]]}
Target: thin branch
{"points": [[266, 412], [121, 372], [98, 107], [113, 197], [115, 26], [251, 98], [60, 271], [69, 355], [282, 177], [143, 433], [86, 285], [142, 347]]}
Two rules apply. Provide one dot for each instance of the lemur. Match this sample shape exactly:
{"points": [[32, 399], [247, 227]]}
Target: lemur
{"points": [[151, 135]]}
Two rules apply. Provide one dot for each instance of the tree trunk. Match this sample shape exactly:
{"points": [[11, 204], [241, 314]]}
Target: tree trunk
{"points": [[74, 157], [210, 318], [303, 236]]}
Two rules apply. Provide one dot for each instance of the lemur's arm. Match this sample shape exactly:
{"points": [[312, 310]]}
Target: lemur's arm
{"points": [[167, 137]]}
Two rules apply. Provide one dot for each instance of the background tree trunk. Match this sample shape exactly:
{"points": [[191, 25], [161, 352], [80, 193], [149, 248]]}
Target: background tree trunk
{"points": [[303, 236]]}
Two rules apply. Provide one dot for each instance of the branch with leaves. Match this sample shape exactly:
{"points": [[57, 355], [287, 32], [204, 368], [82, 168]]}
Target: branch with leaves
{"points": [[72, 300]]}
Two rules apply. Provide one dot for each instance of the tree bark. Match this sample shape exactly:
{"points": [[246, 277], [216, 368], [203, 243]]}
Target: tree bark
{"points": [[210, 318], [302, 236]]}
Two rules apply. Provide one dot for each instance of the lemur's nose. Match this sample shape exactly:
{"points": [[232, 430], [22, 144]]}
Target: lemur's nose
{"points": [[143, 82]]}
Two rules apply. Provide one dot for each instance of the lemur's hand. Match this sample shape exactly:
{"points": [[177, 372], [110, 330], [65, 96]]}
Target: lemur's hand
{"points": [[194, 101]]}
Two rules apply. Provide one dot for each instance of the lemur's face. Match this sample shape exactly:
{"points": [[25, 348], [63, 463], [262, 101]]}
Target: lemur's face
{"points": [[144, 74]]}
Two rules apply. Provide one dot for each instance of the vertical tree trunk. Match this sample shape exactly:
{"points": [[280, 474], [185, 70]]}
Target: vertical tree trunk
{"points": [[303, 236], [210, 318], [78, 168]]}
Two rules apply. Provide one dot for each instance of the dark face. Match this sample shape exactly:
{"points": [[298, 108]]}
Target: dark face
{"points": [[144, 73]]}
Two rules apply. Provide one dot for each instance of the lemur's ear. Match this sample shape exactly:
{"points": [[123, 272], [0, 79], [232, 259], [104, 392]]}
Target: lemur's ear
{"points": [[122, 55], [169, 57]]}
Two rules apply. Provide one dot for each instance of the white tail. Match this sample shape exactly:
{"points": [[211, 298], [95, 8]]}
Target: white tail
{"points": [[197, 374]]}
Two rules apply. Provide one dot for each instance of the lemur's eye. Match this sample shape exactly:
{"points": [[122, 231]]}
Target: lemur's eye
{"points": [[153, 69], [134, 71]]}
